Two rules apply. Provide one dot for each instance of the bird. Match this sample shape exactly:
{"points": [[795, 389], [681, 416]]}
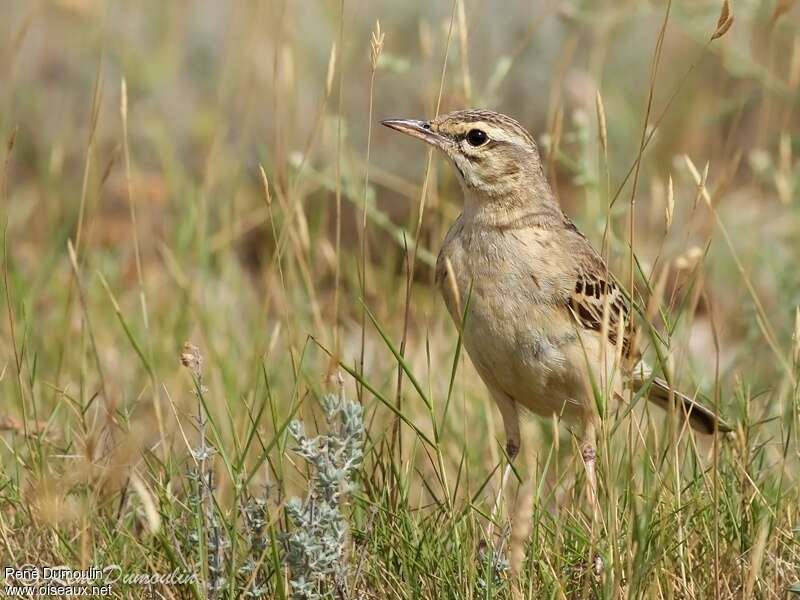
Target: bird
{"points": [[547, 324]]}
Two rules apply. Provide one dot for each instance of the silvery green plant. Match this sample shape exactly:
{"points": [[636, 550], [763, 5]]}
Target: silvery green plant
{"points": [[493, 570], [203, 478], [316, 543], [252, 571], [217, 542]]}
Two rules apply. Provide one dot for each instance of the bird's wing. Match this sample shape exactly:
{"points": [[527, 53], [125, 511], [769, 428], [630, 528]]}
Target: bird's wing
{"points": [[597, 301], [594, 298]]}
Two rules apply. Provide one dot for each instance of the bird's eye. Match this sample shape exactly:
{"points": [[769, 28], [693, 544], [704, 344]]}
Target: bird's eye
{"points": [[476, 137]]}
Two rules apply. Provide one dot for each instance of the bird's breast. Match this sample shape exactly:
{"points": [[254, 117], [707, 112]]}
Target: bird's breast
{"points": [[496, 272], [517, 339]]}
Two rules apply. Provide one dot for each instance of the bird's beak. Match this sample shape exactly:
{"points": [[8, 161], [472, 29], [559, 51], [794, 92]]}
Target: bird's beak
{"points": [[417, 129]]}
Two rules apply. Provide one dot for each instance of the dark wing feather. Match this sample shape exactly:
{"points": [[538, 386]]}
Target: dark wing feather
{"points": [[596, 292]]}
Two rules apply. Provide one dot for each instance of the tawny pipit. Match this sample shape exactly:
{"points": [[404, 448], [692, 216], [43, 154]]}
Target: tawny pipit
{"points": [[547, 324]]}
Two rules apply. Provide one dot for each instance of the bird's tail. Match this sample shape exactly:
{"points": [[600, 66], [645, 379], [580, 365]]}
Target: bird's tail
{"points": [[700, 418]]}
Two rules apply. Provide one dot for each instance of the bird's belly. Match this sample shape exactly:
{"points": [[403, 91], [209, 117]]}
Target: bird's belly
{"points": [[519, 348]]}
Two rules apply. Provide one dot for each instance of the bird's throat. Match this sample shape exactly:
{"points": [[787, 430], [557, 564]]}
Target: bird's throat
{"points": [[512, 210]]}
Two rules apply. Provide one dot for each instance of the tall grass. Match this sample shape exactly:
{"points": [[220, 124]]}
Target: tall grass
{"points": [[212, 172]]}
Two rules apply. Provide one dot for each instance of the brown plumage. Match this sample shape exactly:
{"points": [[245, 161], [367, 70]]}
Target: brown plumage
{"points": [[546, 316]]}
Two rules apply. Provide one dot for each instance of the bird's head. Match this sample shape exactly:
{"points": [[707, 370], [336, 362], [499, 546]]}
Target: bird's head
{"points": [[494, 156]]}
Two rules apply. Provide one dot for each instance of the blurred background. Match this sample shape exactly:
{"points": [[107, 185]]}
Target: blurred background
{"points": [[216, 89], [160, 192]]}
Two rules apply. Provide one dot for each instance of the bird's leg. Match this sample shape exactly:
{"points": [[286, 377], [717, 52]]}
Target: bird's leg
{"points": [[589, 455], [511, 424], [512, 449]]}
